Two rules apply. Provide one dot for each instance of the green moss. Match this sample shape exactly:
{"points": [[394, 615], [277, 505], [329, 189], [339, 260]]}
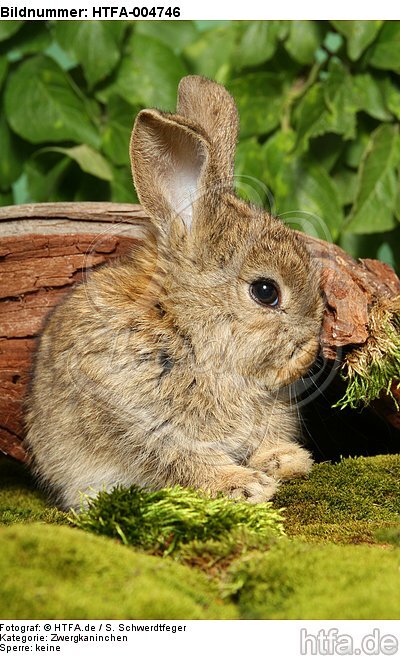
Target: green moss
{"points": [[214, 555], [20, 500], [170, 519], [343, 502], [347, 502], [61, 572], [373, 369], [346, 533], [388, 535], [302, 581]]}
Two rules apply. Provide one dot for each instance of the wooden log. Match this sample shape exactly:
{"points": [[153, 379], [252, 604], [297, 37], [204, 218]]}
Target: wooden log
{"points": [[46, 248], [350, 288]]}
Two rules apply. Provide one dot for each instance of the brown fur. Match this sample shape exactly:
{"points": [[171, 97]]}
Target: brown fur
{"points": [[162, 369]]}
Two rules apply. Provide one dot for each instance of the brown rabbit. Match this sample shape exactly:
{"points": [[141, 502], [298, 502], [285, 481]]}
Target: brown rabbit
{"points": [[172, 367]]}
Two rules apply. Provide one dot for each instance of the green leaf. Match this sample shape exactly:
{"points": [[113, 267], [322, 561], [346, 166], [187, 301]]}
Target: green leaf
{"points": [[85, 190], [250, 172], [373, 245], [385, 52], [311, 116], [32, 38], [42, 106], [327, 107], [20, 190], [52, 179], [174, 34], [122, 189], [117, 131], [391, 93], [326, 150], [6, 198], [397, 205], [359, 34], [320, 196], [258, 42], [206, 25], [332, 42], [3, 70], [374, 206], [370, 97], [88, 159], [385, 254], [96, 45], [300, 186], [305, 37], [11, 155], [279, 161], [212, 53], [340, 100], [346, 184], [54, 51], [259, 97], [149, 74], [8, 28], [47, 183], [355, 149], [316, 193], [250, 158], [392, 239]]}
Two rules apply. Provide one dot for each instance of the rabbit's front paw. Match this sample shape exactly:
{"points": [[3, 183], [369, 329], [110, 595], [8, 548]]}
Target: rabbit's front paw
{"points": [[253, 486], [289, 462]]}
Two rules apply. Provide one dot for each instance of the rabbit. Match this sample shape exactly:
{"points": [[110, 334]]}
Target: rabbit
{"points": [[173, 365]]}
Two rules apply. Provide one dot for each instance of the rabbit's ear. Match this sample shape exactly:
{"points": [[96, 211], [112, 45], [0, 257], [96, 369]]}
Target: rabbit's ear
{"points": [[169, 165], [211, 106]]}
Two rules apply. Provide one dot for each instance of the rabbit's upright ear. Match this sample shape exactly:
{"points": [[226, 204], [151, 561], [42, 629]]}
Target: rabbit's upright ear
{"points": [[211, 106], [170, 163]]}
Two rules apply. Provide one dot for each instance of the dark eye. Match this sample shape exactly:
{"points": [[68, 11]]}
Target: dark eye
{"points": [[265, 292]]}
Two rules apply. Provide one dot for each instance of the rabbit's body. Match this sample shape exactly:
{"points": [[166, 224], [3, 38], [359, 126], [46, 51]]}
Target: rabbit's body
{"points": [[163, 369]]}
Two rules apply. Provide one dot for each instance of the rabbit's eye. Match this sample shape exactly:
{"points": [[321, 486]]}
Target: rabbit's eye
{"points": [[265, 292]]}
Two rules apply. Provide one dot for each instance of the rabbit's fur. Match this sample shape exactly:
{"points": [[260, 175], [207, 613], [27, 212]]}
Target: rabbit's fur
{"points": [[162, 369]]}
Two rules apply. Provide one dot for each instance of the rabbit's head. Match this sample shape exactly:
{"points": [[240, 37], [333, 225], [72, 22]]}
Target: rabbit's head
{"points": [[239, 285]]}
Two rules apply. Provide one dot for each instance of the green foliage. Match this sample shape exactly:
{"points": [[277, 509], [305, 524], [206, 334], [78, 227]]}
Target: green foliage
{"points": [[385, 52], [94, 44], [359, 35], [164, 521], [148, 75], [319, 103], [55, 111], [8, 28], [377, 183]]}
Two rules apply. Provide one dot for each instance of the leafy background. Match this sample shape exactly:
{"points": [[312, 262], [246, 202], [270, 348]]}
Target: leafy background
{"points": [[319, 103]]}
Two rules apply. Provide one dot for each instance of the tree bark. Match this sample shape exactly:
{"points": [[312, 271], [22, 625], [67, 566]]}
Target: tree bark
{"points": [[46, 248]]}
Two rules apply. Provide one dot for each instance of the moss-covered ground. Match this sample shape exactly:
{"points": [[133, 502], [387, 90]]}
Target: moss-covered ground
{"points": [[347, 502], [340, 557]]}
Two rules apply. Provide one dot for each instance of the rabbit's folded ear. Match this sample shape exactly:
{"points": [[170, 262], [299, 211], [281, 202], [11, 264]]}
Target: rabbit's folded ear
{"points": [[170, 165], [211, 106]]}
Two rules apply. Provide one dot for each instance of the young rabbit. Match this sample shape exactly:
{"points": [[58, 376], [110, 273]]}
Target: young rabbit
{"points": [[172, 367]]}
